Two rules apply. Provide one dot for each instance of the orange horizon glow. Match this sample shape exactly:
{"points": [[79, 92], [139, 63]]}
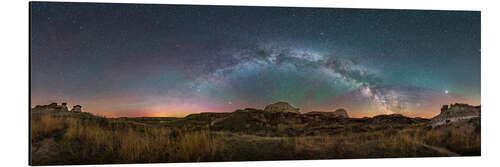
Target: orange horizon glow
{"points": [[184, 114], [180, 111], [107, 115]]}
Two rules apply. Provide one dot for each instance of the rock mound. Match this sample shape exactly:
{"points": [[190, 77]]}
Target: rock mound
{"points": [[54, 107], [340, 113], [281, 107], [394, 119], [455, 113], [76, 108]]}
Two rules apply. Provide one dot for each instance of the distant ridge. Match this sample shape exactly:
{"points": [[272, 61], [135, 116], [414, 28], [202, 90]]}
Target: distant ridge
{"points": [[281, 107], [337, 113]]}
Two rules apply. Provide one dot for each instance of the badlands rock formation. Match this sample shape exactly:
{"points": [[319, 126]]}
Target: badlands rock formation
{"points": [[456, 113], [76, 108], [54, 107], [341, 113], [281, 107]]}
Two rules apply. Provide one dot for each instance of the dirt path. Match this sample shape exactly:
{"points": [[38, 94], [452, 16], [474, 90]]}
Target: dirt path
{"points": [[440, 150]]}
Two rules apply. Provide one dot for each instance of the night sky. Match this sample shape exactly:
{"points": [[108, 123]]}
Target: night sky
{"points": [[172, 60]]}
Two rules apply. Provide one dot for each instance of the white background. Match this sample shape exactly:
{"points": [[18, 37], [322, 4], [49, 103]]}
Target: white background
{"points": [[14, 38]]}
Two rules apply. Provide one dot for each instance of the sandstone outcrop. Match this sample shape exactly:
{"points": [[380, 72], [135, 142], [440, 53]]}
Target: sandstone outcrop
{"points": [[456, 113], [63, 107], [56, 108], [76, 108], [52, 107], [340, 113], [281, 107]]}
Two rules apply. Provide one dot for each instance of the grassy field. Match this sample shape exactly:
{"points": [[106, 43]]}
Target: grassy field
{"points": [[97, 140]]}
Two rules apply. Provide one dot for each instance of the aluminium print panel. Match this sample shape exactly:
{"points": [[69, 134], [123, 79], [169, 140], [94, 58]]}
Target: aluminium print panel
{"points": [[115, 83]]}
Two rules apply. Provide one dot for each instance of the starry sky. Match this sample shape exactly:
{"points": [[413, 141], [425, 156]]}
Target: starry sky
{"points": [[172, 60]]}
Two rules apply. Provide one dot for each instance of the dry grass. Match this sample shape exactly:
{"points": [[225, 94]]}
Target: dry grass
{"points": [[46, 125], [83, 141], [368, 144], [462, 140], [409, 142], [197, 146]]}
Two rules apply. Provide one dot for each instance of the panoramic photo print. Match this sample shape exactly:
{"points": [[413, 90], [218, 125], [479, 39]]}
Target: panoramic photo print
{"points": [[156, 83]]}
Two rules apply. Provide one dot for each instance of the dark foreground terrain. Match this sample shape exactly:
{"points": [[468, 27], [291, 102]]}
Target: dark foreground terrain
{"points": [[59, 136]]}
